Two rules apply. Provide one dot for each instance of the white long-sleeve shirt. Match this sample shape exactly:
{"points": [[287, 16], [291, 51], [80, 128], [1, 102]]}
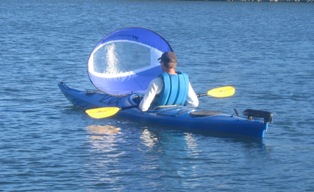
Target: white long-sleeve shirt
{"points": [[155, 87]]}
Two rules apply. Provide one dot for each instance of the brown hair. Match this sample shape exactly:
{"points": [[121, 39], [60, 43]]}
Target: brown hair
{"points": [[169, 59]]}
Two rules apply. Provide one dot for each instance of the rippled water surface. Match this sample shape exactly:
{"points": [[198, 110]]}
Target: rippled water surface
{"points": [[266, 50]]}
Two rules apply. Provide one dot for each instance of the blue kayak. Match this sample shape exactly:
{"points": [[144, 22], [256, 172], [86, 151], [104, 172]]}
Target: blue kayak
{"points": [[254, 123]]}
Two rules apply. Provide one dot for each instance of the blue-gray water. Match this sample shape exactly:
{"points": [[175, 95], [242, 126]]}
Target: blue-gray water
{"points": [[266, 50]]}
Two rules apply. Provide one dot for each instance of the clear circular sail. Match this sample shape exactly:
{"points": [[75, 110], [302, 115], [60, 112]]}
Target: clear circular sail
{"points": [[126, 60]]}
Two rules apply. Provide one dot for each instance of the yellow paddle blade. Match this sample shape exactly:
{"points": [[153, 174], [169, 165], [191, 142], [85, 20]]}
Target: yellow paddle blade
{"points": [[221, 92], [102, 112]]}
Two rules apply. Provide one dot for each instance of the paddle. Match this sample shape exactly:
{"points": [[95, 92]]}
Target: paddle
{"points": [[104, 112], [220, 92]]}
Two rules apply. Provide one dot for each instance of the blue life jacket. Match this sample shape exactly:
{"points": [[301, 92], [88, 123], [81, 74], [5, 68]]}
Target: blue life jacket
{"points": [[175, 90]]}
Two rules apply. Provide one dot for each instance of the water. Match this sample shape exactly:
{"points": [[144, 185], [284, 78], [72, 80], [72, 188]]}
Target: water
{"points": [[266, 50]]}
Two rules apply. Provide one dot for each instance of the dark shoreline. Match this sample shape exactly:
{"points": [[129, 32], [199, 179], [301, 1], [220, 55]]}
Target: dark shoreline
{"points": [[269, 1]]}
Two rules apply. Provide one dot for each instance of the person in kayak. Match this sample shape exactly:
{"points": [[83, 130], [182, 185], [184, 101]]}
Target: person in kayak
{"points": [[170, 88]]}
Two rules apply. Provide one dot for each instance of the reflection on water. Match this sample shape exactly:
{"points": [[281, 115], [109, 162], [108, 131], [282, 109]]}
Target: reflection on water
{"points": [[190, 140], [149, 138], [104, 154], [103, 129], [103, 137]]}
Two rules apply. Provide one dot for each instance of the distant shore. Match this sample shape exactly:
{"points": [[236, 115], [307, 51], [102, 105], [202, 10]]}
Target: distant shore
{"points": [[275, 1]]}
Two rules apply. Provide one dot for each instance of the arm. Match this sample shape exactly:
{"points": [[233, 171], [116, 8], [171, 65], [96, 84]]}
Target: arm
{"points": [[153, 89], [192, 99]]}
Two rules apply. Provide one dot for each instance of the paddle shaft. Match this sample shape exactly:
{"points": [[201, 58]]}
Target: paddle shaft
{"points": [[104, 112], [202, 94], [129, 107], [135, 106]]}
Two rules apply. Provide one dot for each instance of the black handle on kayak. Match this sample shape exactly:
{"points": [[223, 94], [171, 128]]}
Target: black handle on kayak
{"points": [[129, 107]]}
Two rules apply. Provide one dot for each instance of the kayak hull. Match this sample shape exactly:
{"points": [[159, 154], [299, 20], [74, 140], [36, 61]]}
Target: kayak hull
{"points": [[178, 117]]}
